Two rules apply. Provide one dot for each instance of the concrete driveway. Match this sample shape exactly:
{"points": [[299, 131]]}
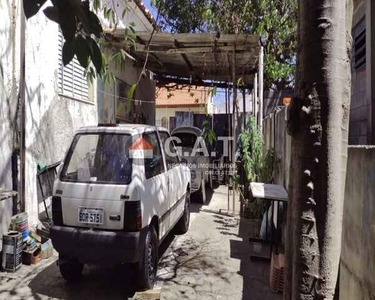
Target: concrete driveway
{"points": [[211, 261]]}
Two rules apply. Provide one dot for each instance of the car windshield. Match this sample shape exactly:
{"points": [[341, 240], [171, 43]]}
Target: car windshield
{"points": [[187, 139], [101, 158]]}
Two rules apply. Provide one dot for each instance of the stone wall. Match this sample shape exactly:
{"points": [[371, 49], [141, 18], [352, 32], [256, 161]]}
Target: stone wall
{"points": [[357, 268]]}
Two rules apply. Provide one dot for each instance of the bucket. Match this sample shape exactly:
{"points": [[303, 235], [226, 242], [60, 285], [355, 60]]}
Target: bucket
{"points": [[12, 251], [20, 223]]}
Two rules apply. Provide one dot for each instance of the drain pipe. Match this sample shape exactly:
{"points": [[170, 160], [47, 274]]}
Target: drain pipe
{"points": [[22, 110]]}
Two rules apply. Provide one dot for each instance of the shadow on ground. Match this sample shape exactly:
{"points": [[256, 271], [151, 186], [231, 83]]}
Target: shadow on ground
{"points": [[196, 202], [109, 282], [256, 274]]}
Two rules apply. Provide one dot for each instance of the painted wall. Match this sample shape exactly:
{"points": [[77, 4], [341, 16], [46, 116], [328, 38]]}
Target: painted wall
{"points": [[9, 76], [51, 119], [133, 14], [144, 98], [128, 73], [171, 111], [357, 268]]}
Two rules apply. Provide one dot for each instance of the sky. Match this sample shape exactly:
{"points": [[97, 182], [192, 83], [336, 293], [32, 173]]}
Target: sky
{"points": [[149, 7]]}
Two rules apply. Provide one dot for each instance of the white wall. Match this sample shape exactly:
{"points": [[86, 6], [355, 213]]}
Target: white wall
{"points": [[133, 14], [168, 112], [9, 75], [145, 92], [51, 119]]}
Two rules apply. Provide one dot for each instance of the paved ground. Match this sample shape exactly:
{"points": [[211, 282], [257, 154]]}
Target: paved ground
{"points": [[211, 261]]}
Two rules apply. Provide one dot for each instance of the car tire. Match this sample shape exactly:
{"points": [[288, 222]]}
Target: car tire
{"points": [[147, 266], [209, 182], [201, 193], [183, 224], [71, 270]]}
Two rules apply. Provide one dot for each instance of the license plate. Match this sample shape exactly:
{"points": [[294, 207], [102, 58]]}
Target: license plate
{"points": [[90, 215]]}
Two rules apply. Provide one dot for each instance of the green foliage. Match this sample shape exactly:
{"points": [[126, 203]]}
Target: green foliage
{"points": [[257, 168], [275, 21], [252, 151], [130, 95], [208, 134]]}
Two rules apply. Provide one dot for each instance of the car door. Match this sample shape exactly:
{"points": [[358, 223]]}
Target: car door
{"points": [[175, 177], [156, 198]]}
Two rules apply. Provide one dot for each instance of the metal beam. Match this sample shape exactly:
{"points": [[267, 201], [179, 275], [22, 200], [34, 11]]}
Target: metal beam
{"points": [[187, 61], [152, 54], [162, 81]]}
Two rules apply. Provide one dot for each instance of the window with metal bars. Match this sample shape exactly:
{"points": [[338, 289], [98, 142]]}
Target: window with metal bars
{"points": [[359, 36], [72, 80]]}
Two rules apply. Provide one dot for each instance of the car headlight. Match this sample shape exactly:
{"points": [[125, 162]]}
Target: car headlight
{"points": [[193, 174]]}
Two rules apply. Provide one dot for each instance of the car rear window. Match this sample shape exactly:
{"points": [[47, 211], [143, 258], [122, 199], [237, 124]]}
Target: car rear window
{"points": [[100, 158], [187, 139]]}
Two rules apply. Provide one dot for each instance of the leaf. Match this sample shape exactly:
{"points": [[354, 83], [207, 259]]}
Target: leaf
{"points": [[123, 54], [123, 13], [95, 26], [113, 14], [80, 10], [83, 51], [31, 7], [96, 56], [68, 52], [96, 5], [130, 95], [67, 23], [52, 13], [132, 29]]}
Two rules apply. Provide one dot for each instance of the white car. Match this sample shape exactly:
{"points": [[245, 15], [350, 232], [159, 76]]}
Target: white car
{"points": [[192, 147], [118, 193]]}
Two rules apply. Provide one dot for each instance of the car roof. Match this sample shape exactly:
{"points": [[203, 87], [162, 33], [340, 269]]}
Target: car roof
{"points": [[120, 128], [188, 129]]}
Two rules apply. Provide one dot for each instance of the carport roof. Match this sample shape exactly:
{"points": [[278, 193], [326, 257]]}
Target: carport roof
{"points": [[194, 58]]}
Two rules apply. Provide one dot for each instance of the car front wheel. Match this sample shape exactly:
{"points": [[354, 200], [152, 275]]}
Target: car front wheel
{"points": [[183, 224]]}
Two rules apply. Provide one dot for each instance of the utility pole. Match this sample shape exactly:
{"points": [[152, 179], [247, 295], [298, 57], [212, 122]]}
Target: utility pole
{"points": [[244, 107], [255, 99], [234, 120], [261, 87], [22, 114]]}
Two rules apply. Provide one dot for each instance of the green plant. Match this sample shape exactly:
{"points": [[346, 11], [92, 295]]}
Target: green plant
{"points": [[252, 147], [208, 134], [256, 167]]}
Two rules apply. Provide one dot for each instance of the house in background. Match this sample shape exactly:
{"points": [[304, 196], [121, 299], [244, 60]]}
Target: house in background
{"points": [[362, 109], [58, 99], [182, 102], [113, 106]]}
